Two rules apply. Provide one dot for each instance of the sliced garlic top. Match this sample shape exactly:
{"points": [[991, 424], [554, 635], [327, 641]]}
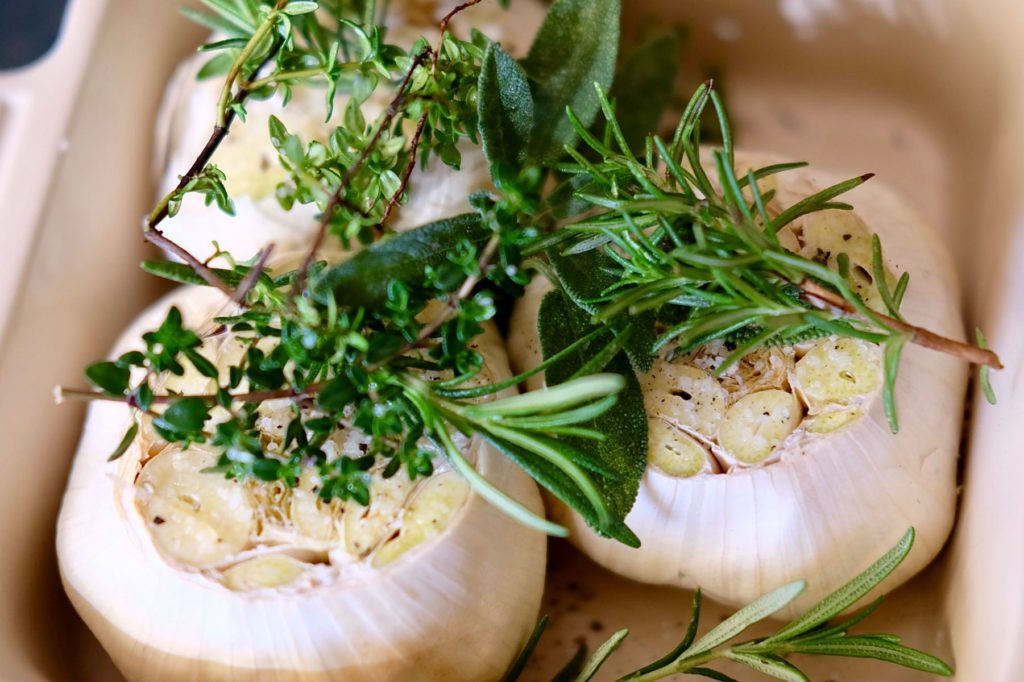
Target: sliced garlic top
{"points": [[783, 467], [184, 574]]}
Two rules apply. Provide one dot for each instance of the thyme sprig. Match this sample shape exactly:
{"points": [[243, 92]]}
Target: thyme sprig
{"points": [[817, 631], [338, 356]]}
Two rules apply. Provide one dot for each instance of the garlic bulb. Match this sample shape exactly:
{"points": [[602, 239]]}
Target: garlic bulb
{"points": [[251, 163], [784, 468], [186, 575]]}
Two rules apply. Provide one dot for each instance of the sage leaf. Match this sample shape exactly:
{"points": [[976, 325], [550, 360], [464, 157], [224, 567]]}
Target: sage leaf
{"points": [[624, 448], [643, 87], [575, 48], [504, 109], [363, 280], [584, 278]]}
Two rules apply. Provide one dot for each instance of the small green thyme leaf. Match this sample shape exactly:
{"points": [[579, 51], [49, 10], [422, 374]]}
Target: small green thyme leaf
{"points": [[126, 441], [111, 377]]}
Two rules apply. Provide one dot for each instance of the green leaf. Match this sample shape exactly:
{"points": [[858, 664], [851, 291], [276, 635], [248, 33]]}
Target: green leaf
{"points": [[575, 48], [879, 649], [516, 669], [298, 7], [202, 365], [624, 449], [755, 611], [771, 666], [183, 419], [363, 280], [584, 277], [109, 376], [338, 393], [504, 109], [712, 674], [643, 87], [684, 644], [601, 655], [985, 372], [848, 594], [125, 443], [573, 667], [184, 274]]}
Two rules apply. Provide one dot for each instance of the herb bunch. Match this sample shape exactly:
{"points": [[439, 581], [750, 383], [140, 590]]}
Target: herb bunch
{"points": [[648, 253], [682, 261], [817, 631]]}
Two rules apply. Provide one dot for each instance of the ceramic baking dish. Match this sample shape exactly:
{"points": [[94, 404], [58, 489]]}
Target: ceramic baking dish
{"points": [[929, 94]]}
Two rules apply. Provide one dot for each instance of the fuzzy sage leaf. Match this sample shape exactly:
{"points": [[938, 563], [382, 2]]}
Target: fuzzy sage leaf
{"points": [[575, 47], [504, 109], [624, 448]]}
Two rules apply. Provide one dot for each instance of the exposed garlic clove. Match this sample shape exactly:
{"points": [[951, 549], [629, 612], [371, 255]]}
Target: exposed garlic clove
{"points": [[684, 395], [367, 527], [757, 424], [195, 518], [674, 452], [264, 573], [827, 422], [837, 496], [457, 606], [837, 371], [430, 510]]}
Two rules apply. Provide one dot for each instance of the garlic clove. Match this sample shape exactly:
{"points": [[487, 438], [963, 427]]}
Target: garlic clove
{"points": [[836, 371], [457, 603], [757, 424], [841, 488]]}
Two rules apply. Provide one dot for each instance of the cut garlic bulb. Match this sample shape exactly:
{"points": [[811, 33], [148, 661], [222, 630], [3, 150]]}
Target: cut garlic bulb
{"points": [[186, 575], [251, 163], [813, 483]]}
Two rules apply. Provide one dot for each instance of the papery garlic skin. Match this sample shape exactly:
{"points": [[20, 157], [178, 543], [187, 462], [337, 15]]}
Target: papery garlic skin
{"points": [[834, 496], [453, 599], [251, 163]]}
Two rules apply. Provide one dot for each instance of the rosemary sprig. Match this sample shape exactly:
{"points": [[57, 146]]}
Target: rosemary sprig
{"points": [[707, 259], [818, 631]]}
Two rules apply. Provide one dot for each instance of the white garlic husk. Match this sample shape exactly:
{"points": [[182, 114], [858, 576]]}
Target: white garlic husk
{"points": [[825, 491], [251, 163], [184, 575]]}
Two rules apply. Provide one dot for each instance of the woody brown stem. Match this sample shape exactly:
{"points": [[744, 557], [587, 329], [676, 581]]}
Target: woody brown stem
{"points": [[918, 335], [337, 198]]}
